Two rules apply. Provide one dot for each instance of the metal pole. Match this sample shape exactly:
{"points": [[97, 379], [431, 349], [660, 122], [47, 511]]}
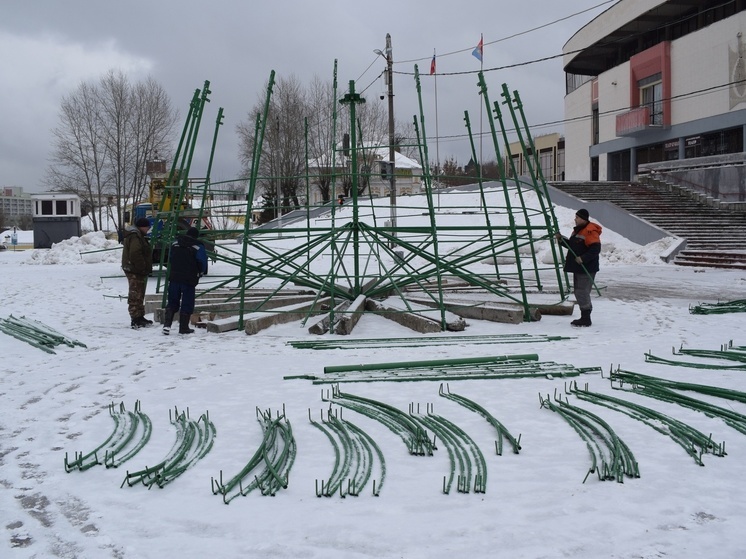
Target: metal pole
{"points": [[279, 182], [437, 135], [392, 150]]}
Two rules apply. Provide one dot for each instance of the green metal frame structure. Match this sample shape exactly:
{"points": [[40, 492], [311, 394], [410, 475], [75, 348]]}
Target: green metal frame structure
{"points": [[346, 251]]}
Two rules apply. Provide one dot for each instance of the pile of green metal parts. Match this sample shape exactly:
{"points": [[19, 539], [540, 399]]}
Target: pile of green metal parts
{"points": [[424, 341], [611, 458], [722, 307], [478, 368], [667, 391], [727, 352], [355, 453], [468, 467], [194, 440], [36, 333], [693, 441], [269, 468], [131, 432]]}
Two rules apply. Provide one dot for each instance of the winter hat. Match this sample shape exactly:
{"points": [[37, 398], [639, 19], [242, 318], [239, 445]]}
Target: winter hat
{"points": [[193, 232], [583, 214], [142, 222]]}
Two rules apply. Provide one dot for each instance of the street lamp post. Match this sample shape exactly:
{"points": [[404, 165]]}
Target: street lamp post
{"points": [[392, 151]]}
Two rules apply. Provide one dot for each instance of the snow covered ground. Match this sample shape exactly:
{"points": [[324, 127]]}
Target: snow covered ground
{"points": [[535, 505]]}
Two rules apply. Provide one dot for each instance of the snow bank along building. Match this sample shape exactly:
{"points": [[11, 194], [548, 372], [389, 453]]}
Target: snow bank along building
{"points": [[659, 85]]}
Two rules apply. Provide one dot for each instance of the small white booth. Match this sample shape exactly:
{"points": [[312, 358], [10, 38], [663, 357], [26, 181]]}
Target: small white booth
{"points": [[56, 218]]}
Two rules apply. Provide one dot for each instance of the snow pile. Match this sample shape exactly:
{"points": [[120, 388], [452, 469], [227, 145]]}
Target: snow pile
{"points": [[612, 253], [23, 237], [88, 249]]}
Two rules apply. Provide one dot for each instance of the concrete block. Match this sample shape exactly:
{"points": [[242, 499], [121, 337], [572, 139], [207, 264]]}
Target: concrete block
{"points": [[412, 321], [322, 326], [257, 323], [349, 319]]}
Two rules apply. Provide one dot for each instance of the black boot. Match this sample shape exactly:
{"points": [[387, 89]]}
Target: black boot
{"points": [[167, 321], [584, 320], [140, 322], [184, 324]]}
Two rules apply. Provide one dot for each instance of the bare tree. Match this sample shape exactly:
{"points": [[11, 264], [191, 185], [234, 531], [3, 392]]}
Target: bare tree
{"points": [[322, 139], [79, 155], [282, 163], [107, 132]]}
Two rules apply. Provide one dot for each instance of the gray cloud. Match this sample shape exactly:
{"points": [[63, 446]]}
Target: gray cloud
{"points": [[48, 47]]}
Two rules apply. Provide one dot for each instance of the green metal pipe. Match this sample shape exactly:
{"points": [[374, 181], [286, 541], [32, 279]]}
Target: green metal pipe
{"points": [[498, 114], [544, 191], [422, 142], [481, 193], [511, 219], [259, 131], [433, 363]]}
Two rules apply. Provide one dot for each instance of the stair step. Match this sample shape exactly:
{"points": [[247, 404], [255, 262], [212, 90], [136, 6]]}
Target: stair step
{"points": [[715, 238], [706, 264]]}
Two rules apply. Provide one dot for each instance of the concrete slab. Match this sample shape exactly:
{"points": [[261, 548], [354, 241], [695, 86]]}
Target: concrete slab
{"points": [[413, 321], [322, 326], [429, 309], [484, 310], [349, 319], [257, 322]]}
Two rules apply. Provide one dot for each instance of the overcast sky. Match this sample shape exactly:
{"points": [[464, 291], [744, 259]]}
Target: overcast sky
{"points": [[48, 47]]}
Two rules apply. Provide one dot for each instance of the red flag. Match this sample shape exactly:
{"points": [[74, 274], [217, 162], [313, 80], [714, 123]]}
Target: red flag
{"points": [[432, 66]]}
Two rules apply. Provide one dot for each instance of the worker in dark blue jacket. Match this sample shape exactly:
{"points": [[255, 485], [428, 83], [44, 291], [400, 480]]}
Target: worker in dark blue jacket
{"points": [[187, 263]]}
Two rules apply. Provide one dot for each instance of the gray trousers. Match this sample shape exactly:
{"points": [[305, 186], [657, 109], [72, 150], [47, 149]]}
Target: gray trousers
{"points": [[582, 285]]}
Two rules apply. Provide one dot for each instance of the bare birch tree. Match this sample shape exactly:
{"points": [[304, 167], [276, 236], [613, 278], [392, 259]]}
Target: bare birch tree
{"points": [[106, 134]]}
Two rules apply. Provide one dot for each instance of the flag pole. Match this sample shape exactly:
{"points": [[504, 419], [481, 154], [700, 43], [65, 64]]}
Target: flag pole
{"points": [[437, 135]]}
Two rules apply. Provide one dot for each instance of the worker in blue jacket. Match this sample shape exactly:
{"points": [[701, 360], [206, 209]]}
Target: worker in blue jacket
{"points": [[187, 263]]}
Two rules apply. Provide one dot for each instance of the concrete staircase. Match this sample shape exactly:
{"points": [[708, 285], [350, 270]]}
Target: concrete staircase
{"points": [[715, 238]]}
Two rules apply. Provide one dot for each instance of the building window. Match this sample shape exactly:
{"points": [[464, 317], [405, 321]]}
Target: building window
{"points": [[46, 207], [546, 159], [594, 125], [671, 150], [574, 81], [716, 143], [651, 96]]}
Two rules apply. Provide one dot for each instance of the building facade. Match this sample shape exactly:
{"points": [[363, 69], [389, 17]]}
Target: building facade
{"points": [[374, 169], [551, 151], [14, 202], [654, 80]]}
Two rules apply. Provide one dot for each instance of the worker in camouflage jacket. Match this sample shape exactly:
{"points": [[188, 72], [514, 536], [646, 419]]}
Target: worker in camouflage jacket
{"points": [[187, 263], [584, 248], [137, 263]]}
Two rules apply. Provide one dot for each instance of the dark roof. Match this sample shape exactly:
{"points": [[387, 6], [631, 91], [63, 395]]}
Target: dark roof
{"points": [[666, 22]]}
